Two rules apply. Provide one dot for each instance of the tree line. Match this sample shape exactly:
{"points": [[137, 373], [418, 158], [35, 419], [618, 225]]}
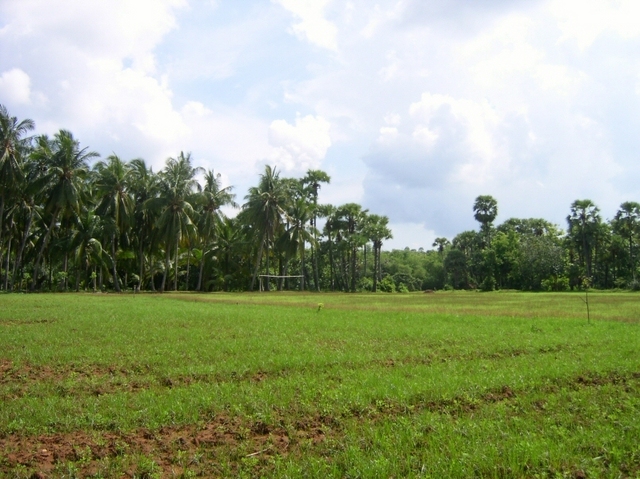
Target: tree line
{"points": [[72, 221], [526, 254]]}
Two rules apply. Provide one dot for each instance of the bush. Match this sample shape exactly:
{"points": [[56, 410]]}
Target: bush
{"points": [[489, 283], [556, 283], [387, 285], [402, 288]]}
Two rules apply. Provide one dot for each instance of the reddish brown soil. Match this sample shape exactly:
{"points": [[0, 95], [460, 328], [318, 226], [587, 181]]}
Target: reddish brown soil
{"points": [[223, 435]]}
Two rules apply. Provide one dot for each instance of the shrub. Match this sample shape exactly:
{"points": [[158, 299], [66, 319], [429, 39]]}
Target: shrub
{"points": [[387, 285], [556, 283]]}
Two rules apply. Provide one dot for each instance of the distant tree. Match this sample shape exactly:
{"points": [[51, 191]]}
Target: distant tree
{"points": [[485, 209], [264, 209], [627, 224], [173, 208], [12, 145], [115, 203], [377, 230], [584, 221], [66, 166], [313, 181]]}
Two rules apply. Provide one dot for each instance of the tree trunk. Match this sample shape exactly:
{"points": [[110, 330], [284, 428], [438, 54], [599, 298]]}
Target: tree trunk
{"points": [[353, 269], [1, 216], [116, 282], [201, 272], [268, 267], [36, 267], [6, 269], [166, 268], [65, 268], [375, 268], [175, 279], [302, 268], [188, 265], [141, 256], [257, 268], [23, 242]]}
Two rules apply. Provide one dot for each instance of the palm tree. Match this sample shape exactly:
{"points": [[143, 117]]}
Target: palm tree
{"points": [[485, 210], [627, 224], [174, 209], [143, 185], [265, 209], [352, 217], [299, 233], [377, 230], [584, 221], [66, 168], [210, 200], [313, 180], [87, 246], [12, 146], [115, 202], [26, 208]]}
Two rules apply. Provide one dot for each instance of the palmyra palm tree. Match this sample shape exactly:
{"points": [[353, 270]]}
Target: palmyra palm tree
{"points": [[377, 230]]}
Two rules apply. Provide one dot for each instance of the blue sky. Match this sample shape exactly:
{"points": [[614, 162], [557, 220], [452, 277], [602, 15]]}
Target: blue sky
{"points": [[414, 108]]}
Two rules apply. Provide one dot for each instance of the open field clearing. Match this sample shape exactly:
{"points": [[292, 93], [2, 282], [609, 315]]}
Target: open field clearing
{"points": [[320, 385]]}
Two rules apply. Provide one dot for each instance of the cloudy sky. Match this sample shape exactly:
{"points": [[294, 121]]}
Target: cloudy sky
{"points": [[413, 107]]}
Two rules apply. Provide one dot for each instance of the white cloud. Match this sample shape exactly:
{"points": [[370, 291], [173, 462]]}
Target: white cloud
{"points": [[413, 107], [301, 146], [313, 25], [15, 87], [583, 21]]}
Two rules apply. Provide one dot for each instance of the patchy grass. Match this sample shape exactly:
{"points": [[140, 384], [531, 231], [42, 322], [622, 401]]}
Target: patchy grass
{"points": [[416, 385]]}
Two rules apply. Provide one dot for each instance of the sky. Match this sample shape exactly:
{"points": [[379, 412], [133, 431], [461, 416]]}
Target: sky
{"points": [[413, 108]]}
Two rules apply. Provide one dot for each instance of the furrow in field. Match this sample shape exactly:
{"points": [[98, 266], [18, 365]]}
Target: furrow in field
{"points": [[205, 446], [19, 380]]}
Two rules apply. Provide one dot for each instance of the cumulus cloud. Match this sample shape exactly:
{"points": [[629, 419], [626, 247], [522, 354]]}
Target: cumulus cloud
{"points": [[300, 146], [313, 26], [15, 87], [414, 108]]}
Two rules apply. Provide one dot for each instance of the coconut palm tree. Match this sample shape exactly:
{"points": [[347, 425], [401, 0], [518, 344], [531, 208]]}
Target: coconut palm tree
{"points": [[174, 209], [28, 210], [265, 210], [87, 246], [12, 146], [300, 232], [210, 217], [115, 202], [143, 185], [66, 167]]}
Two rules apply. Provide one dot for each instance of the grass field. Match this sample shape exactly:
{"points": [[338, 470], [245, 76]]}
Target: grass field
{"points": [[320, 385]]}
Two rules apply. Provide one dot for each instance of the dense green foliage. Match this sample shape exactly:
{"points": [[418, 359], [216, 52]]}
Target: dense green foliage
{"points": [[452, 384], [66, 224]]}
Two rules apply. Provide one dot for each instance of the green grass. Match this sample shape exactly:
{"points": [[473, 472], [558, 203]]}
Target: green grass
{"points": [[320, 385]]}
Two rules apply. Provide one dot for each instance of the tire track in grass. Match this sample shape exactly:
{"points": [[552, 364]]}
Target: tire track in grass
{"points": [[201, 447]]}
